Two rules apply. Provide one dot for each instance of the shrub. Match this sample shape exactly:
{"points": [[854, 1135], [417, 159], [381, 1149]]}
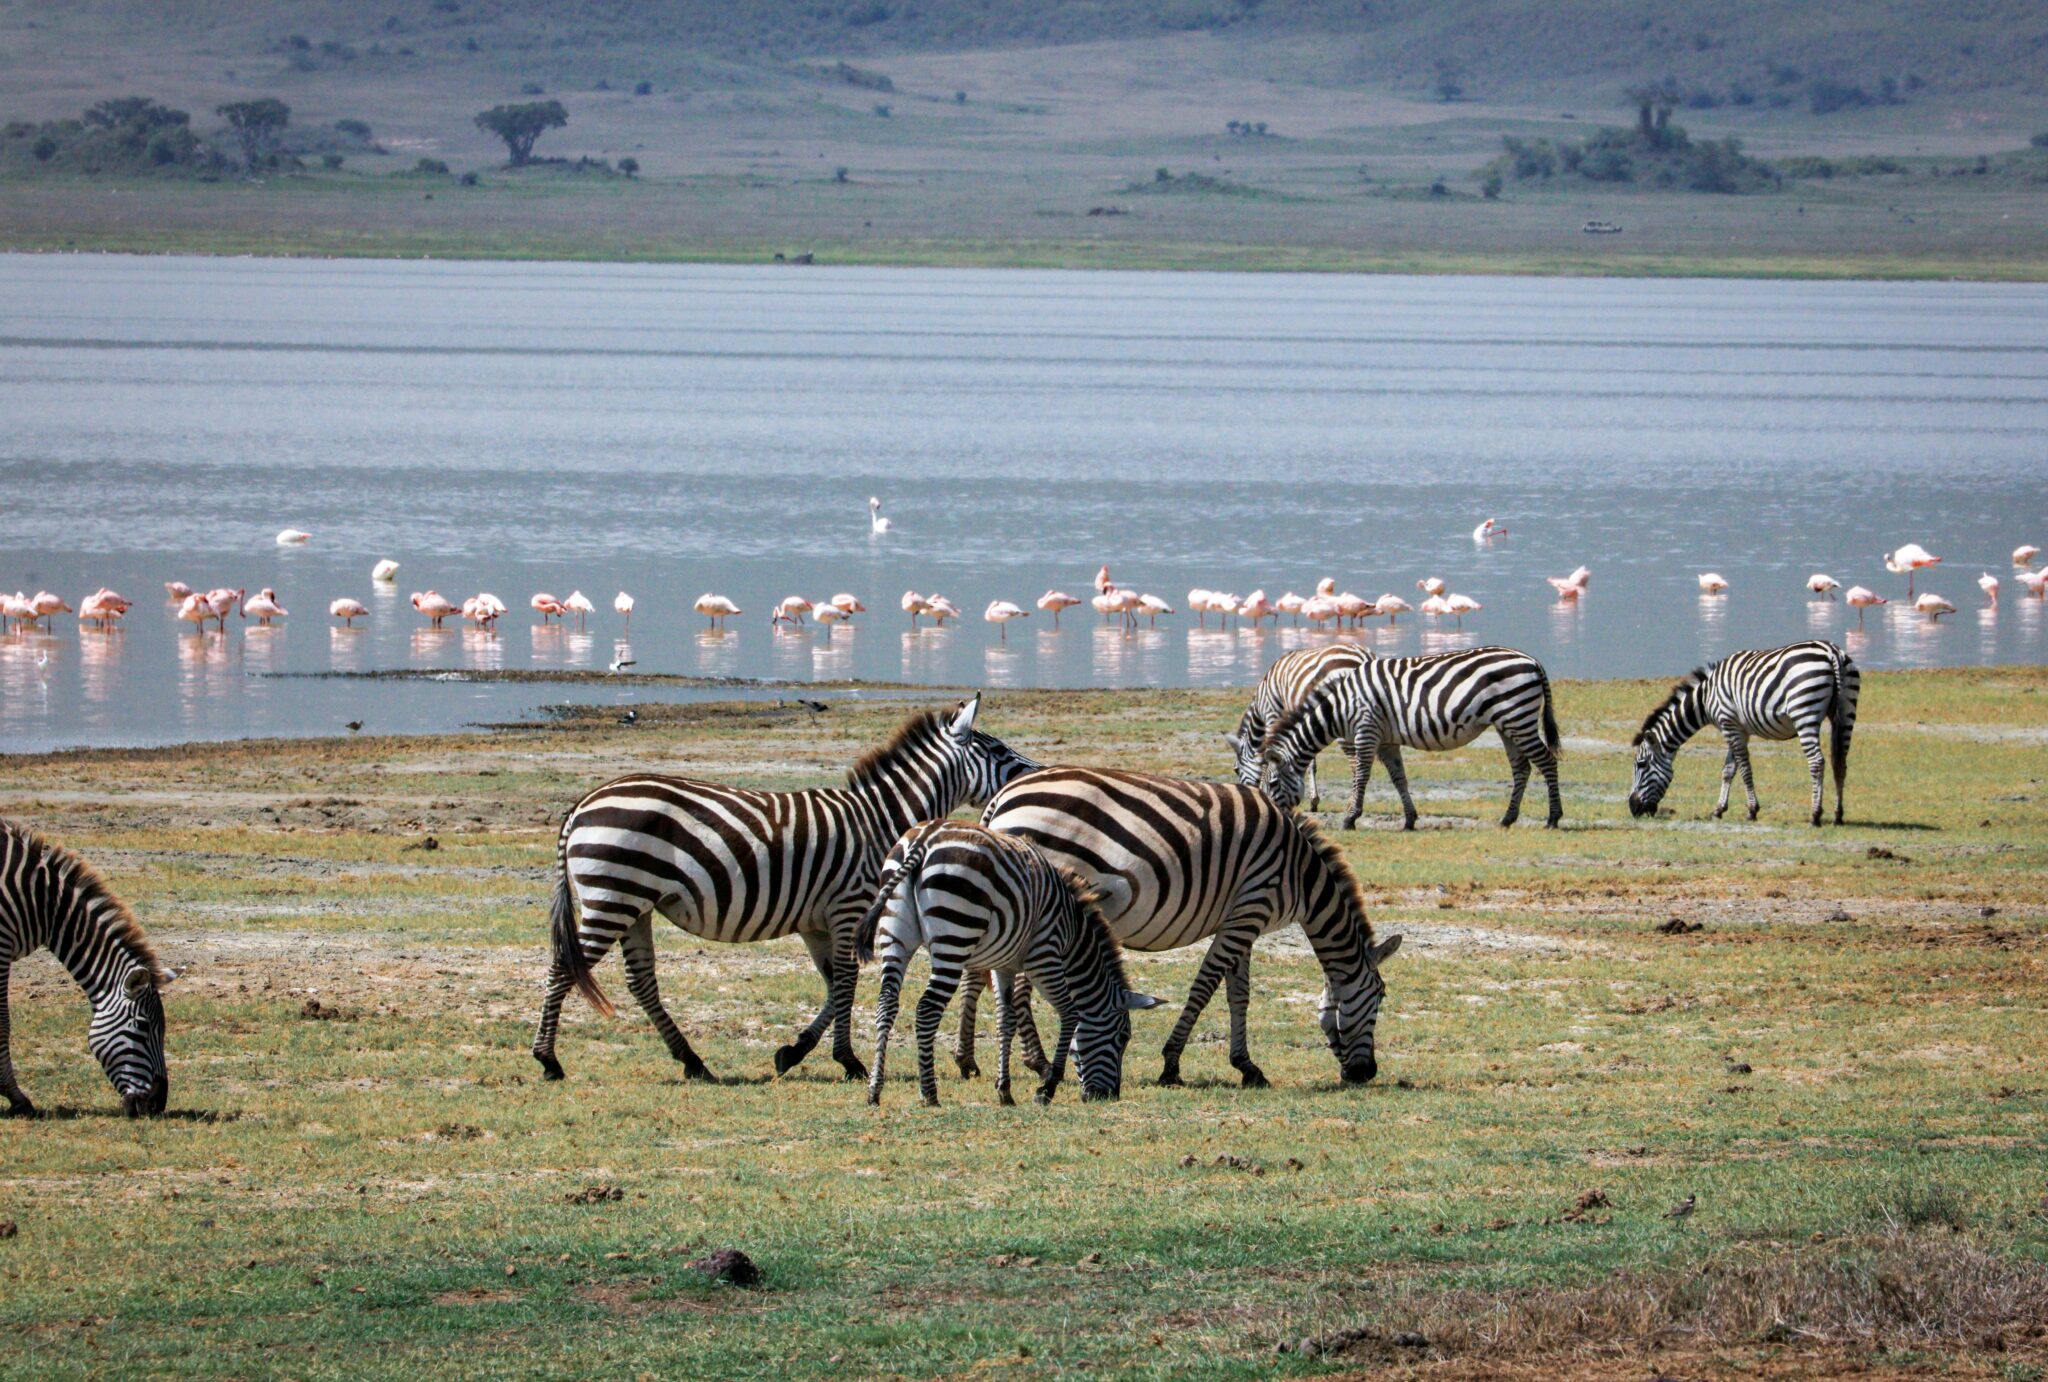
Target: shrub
{"points": [[1490, 188], [959, 98], [1825, 96], [630, 167], [884, 110], [354, 129], [643, 88], [45, 148], [330, 161], [431, 167], [839, 174], [1439, 188], [470, 179], [532, 89], [2040, 141]]}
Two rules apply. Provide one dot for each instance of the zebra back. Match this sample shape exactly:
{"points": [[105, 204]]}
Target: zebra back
{"points": [[1289, 682]]}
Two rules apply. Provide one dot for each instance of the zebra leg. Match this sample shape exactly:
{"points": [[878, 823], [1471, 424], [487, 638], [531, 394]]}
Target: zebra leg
{"points": [[1748, 781], [970, 1000], [1006, 1028], [893, 966], [1361, 751], [1816, 767], [1727, 776], [1308, 785], [931, 1010], [1062, 1000], [596, 932], [637, 948], [18, 1105], [845, 978], [1027, 1026], [1546, 763], [1238, 989], [1397, 772], [1518, 770], [788, 1057], [1844, 724], [1224, 952]]}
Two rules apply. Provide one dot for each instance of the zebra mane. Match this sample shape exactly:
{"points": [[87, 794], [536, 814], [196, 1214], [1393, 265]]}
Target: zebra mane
{"points": [[1093, 922], [921, 728], [1294, 715], [87, 888], [1333, 859], [1686, 683]]}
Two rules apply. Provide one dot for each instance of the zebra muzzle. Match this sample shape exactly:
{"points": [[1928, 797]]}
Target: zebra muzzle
{"points": [[150, 1102]]}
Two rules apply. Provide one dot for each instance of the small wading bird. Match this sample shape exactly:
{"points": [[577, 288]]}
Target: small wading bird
{"points": [[1198, 601], [1933, 606], [1988, 583], [47, 607], [385, 570], [1859, 599], [547, 606], [348, 611], [828, 614], [265, 607], [1462, 605], [1431, 585], [103, 607], [177, 590], [2024, 554], [2036, 582], [1910, 558], [195, 610], [1488, 529], [876, 523], [1053, 601], [1823, 585], [942, 609], [1289, 604], [1255, 607], [915, 604], [17, 609], [1358, 609], [715, 608], [1435, 606], [434, 605], [293, 537], [1573, 586], [1000, 613], [222, 600], [622, 605], [1713, 583], [352, 726], [580, 603], [621, 663], [1683, 1208], [1393, 606], [790, 611], [847, 604], [1153, 607]]}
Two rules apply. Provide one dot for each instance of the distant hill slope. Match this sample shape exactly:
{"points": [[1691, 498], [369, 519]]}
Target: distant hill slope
{"points": [[1494, 49]]}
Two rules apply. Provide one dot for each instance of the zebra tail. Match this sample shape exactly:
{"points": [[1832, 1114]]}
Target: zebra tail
{"points": [[904, 879], [1549, 719], [569, 948]]}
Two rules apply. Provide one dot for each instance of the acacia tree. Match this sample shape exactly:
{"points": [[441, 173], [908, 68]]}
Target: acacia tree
{"points": [[258, 126], [1654, 102], [519, 125]]}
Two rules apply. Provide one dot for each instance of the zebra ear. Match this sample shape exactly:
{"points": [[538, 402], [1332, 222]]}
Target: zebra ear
{"points": [[1235, 741], [1382, 952], [963, 723], [1138, 1002], [138, 982]]}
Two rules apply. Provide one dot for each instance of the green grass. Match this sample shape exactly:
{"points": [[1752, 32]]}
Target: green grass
{"points": [[345, 1197]]}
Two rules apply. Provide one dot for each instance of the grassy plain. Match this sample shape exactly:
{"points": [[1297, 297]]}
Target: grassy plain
{"points": [[1843, 1064]]}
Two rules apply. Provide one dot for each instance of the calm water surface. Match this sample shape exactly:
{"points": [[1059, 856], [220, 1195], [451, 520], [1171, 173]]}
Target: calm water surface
{"points": [[674, 430]]}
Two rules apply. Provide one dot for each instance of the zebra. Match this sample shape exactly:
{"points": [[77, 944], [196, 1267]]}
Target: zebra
{"points": [[1440, 702], [1287, 683], [1176, 861], [1768, 693], [51, 897], [983, 901], [731, 864]]}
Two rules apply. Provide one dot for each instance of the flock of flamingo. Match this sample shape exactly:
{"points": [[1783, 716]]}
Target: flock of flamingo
{"points": [[1326, 608]]}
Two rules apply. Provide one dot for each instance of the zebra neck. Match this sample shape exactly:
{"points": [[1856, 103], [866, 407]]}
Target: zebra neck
{"points": [[1686, 717], [897, 802], [79, 940]]}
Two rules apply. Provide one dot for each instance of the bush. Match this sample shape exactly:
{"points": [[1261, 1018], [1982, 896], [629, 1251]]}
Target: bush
{"points": [[431, 167], [1490, 188], [883, 110], [470, 179], [331, 161], [45, 148], [630, 167], [959, 98], [643, 88], [354, 129], [2040, 141], [839, 174], [1826, 96], [532, 89]]}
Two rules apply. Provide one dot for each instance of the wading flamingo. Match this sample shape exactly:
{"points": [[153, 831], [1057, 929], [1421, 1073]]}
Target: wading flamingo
{"points": [[1859, 599], [1000, 613], [622, 605], [1289, 604], [195, 610], [1988, 583], [1933, 606], [177, 590], [434, 605], [1103, 585], [385, 570], [1358, 609], [715, 608], [1713, 583], [1256, 607], [1573, 586], [103, 607], [1431, 585], [1053, 601], [876, 523], [791, 611], [222, 599], [1488, 529], [2036, 582], [1823, 585], [547, 606], [264, 606], [1462, 605], [1153, 607], [1392, 606], [293, 537], [847, 604], [47, 607], [2024, 554], [580, 603], [942, 609], [348, 611], [915, 604], [1907, 560]]}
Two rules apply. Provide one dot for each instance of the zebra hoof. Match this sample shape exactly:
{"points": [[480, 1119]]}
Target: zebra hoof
{"points": [[1752, 813], [550, 1067], [930, 1100], [853, 1068], [1043, 1098], [788, 1058], [1509, 819], [1254, 1078], [1003, 1095], [698, 1071], [874, 1096], [1349, 823], [1551, 824], [21, 1108], [1037, 1065], [1170, 1076], [968, 1068]]}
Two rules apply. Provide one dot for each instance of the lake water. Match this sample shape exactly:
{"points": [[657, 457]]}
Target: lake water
{"points": [[675, 430]]}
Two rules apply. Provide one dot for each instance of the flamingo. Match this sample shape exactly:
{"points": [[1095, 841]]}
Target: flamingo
{"points": [[1860, 599], [1055, 601], [1460, 606], [1105, 604], [17, 608], [1435, 606], [1358, 609], [2024, 554], [915, 604], [580, 603], [1198, 601], [1327, 586], [547, 606], [1289, 604], [293, 537], [1000, 613], [102, 607], [1988, 583], [1573, 586], [493, 604], [434, 605], [1712, 583], [1488, 529], [47, 607], [222, 600], [2036, 582], [1103, 585], [828, 614], [1909, 559], [265, 607], [1392, 606], [622, 604], [1430, 585], [876, 523], [942, 609], [715, 608], [847, 604], [385, 570], [177, 590], [791, 611], [1823, 585], [1256, 607], [1319, 609], [1154, 607], [196, 610], [348, 611], [1933, 606]]}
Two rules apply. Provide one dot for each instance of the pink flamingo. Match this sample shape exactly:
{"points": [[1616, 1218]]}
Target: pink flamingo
{"points": [[1988, 583], [434, 605], [942, 609], [1933, 606], [348, 611], [195, 609], [1054, 601], [1573, 586], [1431, 585], [791, 611], [1908, 560], [1000, 613], [1393, 606], [1860, 599], [177, 590], [547, 606], [1358, 609], [17, 609], [2036, 582], [48, 607], [1153, 607], [1319, 609], [1289, 604], [1103, 585], [1256, 607], [1823, 585], [223, 600], [1460, 606], [1488, 529], [847, 604], [103, 607], [622, 605], [715, 608], [580, 603], [2024, 554], [915, 604], [1105, 605], [1712, 583], [265, 607]]}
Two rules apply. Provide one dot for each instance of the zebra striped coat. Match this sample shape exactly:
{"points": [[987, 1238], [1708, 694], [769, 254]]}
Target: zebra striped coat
{"points": [[730, 864], [1432, 703], [1287, 683], [51, 897], [1176, 861], [1763, 693], [979, 900]]}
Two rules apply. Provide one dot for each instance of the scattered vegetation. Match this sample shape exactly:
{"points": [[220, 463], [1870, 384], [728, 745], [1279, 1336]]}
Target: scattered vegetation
{"points": [[1656, 153], [521, 124], [126, 135]]}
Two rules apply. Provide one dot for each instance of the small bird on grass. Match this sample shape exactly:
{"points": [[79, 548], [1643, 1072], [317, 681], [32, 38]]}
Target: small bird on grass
{"points": [[631, 717], [813, 706], [620, 664], [352, 726], [1683, 1208]]}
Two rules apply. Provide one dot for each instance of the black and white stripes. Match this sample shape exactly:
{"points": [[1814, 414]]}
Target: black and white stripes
{"points": [[1287, 683], [1432, 703], [733, 864], [51, 897], [982, 901], [1764, 693]]}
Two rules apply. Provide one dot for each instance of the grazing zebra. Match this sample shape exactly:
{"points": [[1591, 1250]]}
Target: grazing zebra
{"points": [[1433, 703], [730, 864], [1287, 684], [1768, 693], [982, 901], [1176, 861], [51, 897]]}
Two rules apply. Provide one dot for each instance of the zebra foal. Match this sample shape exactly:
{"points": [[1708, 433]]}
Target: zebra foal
{"points": [[1762, 693], [51, 897], [982, 901]]}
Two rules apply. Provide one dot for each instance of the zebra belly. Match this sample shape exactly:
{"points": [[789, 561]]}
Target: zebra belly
{"points": [[618, 876]]}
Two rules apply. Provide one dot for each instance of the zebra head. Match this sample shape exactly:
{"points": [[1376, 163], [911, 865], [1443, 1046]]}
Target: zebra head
{"points": [[1282, 778], [1654, 765], [1100, 1039], [990, 763], [1244, 748], [1351, 1041], [1676, 719], [127, 1038], [1102, 994]]}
